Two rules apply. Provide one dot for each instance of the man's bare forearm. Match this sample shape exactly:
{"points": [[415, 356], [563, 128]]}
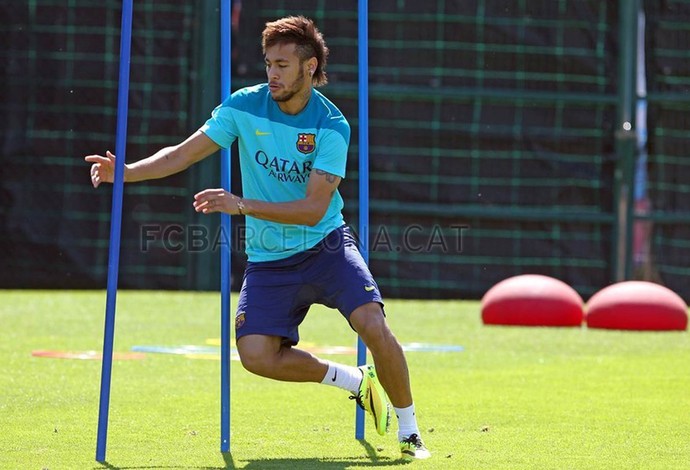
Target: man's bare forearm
{"points": [[171, 160], [165, 162], [300, 212]]}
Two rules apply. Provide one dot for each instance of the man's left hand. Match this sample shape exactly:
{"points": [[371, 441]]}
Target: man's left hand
{"points": [[216, 200]]}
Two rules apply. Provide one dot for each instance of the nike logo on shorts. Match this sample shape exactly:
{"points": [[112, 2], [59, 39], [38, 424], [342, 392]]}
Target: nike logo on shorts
{"points": [[369, 288]]}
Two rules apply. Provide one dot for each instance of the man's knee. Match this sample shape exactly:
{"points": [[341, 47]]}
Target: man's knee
{"points": [[257, 354], [370, 323], [254, 363]]}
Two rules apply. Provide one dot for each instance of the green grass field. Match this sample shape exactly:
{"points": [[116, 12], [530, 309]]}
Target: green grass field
{"points": [[514, 398]]}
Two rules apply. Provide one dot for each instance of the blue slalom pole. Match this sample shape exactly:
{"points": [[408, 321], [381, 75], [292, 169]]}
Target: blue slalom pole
{"points": [[115, 227], [363, 49], [226, 227]]}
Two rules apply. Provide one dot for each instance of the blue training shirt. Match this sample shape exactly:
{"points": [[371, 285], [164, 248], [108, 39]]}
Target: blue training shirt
{"points": [[277, 153]]}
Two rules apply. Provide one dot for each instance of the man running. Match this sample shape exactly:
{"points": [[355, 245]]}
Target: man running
{"points": [[293, 146]]}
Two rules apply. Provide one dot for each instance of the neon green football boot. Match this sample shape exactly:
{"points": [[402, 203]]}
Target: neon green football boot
{"points": [[372, 398], [412, 448]]}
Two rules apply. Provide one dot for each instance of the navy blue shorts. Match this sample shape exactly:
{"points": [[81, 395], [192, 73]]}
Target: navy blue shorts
{"points": [[276, 295]]}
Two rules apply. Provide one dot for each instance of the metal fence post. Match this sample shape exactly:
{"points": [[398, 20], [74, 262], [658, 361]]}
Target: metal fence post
{"points": [[625, 140]]}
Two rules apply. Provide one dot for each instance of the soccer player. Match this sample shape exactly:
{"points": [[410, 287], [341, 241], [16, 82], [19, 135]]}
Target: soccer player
{"points": [[293, 149]]}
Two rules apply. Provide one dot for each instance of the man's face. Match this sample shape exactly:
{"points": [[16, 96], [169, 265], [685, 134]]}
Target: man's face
{"points": [[286, 76]]}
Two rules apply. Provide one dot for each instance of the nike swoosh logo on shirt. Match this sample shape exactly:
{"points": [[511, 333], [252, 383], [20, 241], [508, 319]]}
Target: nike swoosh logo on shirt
{"points": [[259, 133]]}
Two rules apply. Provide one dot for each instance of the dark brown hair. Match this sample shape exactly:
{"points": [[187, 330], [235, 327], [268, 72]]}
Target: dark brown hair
{"points": [[307, 38]]}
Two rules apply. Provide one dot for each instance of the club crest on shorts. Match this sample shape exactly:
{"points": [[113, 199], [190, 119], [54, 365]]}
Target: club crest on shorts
{"points": [[239, 320], [306, 143]]}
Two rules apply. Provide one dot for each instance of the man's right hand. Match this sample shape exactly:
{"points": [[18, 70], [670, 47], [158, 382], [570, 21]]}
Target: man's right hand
{"points": [[103, 168]]}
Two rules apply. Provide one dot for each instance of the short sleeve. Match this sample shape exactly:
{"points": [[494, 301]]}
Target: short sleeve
{"points": [[331, 152], [221, 126]]}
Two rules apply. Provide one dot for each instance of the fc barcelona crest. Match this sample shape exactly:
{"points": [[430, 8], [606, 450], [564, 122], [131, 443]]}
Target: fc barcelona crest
{"points": [[306, 143], [239, 320]]}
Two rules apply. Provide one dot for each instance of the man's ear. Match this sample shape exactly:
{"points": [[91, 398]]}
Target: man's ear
{"points": [[311, 65]]}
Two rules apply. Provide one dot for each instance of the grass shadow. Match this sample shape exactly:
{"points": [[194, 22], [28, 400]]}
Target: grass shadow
{"points": [[109, 466], [372, 459], [229, 461], [320, 464], [227, 458]]}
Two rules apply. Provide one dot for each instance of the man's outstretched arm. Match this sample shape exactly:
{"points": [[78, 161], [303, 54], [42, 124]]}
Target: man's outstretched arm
{"points": [[165, 162]]}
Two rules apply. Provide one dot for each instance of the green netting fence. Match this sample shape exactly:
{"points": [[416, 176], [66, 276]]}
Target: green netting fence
{"points": [[668, 72], [58, 104], [493, 130]]}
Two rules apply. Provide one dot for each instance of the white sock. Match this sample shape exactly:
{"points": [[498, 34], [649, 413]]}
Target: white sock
{"points": [[342, 376], [407, 422]]}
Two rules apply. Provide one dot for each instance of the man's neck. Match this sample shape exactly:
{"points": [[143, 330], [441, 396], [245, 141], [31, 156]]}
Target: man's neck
{"points": [[297, 103]]}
